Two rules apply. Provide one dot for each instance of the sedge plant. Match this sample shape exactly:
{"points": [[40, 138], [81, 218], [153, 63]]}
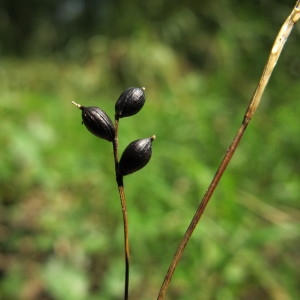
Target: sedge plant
{"points": [[135, 156]]}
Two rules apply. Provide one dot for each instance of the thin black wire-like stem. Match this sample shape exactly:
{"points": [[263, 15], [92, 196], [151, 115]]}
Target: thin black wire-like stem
{"points": [[119, 179], [254, 102]]}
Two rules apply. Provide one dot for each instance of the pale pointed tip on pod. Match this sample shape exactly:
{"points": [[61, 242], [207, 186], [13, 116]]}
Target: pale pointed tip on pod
{"points": [[130, 102], [78, 105], [135, 156]]}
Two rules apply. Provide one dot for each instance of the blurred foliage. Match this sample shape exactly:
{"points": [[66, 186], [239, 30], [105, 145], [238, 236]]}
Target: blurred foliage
{"points": [[61, 229]]}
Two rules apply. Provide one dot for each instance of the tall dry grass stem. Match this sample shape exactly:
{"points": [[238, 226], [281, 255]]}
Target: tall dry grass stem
{"points": [[278, 45]]}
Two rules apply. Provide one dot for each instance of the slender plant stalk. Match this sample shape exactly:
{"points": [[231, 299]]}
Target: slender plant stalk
{"points": [[119, 179], [254, 102]]}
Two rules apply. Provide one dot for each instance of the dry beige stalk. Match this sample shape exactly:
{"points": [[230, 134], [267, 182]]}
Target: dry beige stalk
{"points": [[278, 45]]}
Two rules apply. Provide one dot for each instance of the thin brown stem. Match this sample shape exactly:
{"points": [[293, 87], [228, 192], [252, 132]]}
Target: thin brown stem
{"points": [[116, 148], [119, 179], [126, 239], [255, 100]]}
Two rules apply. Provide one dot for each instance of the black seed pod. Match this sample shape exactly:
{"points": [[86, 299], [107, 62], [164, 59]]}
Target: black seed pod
{"points": [[130, 102], [97, 122], [135, 156]]}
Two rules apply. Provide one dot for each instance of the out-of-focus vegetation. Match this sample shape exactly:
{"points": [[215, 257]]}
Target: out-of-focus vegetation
{"points": [[61, 227]]}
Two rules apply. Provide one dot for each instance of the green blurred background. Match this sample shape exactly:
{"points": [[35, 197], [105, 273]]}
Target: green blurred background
{"points": [[61, 228]]}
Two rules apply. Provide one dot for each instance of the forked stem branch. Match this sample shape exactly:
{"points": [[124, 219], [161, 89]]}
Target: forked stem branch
{"points": [[254, 102]]}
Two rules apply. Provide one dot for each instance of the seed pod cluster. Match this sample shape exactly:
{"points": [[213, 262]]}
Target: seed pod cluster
{"points": [[130, 102], [136, 155], [97, 122]]}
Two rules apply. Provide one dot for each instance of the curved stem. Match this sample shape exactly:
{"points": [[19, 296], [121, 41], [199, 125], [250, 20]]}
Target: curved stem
{"points": [[255, 100], [119, 179]]}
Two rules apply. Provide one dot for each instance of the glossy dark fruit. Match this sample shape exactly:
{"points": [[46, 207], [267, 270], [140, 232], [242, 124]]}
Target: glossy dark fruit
{"points": [[130, 102], [136, 155], [97, 122]]}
